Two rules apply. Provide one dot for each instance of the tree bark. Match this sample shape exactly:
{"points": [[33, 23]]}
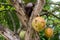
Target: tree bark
{"points": [[24, 20]]}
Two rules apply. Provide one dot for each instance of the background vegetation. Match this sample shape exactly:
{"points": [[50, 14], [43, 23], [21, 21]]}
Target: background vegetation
{"points": [[50, 12]]}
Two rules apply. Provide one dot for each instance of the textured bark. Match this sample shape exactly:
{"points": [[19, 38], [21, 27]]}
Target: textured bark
{"points": [[8, 34], [25, 22], [20, 12], [35, 13]]}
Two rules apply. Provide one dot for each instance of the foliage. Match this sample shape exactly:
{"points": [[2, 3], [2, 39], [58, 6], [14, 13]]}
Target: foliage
{"points": [[9, 18]]}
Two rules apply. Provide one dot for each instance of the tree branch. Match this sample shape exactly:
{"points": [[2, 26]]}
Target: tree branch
{"points": [[8, 33], [35, 13], [20, 13], [45, 12]]}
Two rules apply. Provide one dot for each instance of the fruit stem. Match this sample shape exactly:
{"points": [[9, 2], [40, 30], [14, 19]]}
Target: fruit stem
{"points": [[48, 38]]}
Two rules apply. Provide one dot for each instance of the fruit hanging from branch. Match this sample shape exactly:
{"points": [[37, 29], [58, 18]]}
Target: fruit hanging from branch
{"points": [[48, 32], [22, 34], [38, 24]]}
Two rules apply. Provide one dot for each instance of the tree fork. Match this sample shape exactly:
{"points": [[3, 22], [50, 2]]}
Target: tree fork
{"points": [[24, 20]]}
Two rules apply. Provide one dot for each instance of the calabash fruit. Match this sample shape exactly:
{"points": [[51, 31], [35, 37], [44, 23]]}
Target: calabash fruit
{"points": [[22, 34], [38, 24], [48, 32]]}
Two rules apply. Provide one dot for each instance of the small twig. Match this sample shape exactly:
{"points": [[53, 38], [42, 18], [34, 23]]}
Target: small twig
{"points": [[5, 4], [50, 13], [54, 3]]}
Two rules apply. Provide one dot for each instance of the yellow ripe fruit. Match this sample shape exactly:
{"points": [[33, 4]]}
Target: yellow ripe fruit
{"points": [[49, 32], [38, 24]]}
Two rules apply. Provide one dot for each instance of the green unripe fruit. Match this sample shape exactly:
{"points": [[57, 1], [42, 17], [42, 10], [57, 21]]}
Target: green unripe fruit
{"points": [[22, 34]]}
